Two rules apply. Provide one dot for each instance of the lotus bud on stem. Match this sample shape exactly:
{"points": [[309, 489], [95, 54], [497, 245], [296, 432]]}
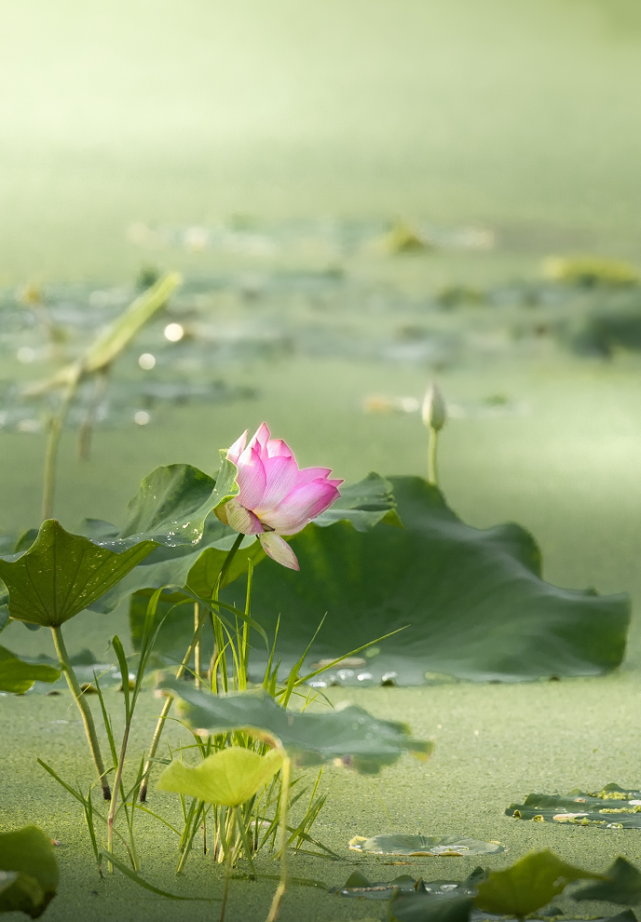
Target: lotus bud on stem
{"points": [[434, 413], [83, 707]]}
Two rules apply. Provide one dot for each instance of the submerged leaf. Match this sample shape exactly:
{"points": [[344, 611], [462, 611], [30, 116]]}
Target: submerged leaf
{"points": [[61, 574], [27, 857], [229, 777], [350, 734], [18, 676], [417, 846], [474, 599], [527, 885]]}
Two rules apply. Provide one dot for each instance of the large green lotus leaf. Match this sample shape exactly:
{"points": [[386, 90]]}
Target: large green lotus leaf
{"points": [[611, 808], [364, 504], [230, 776], [528, 885], [474, 600], [28, 854], [173, 508], [424, 846], [61, 574], [351, 734], [622, 884], [174, 501], [18, 676]]}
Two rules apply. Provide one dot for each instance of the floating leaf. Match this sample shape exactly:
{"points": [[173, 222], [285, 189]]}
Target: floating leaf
{"points": [[350, 734], [528, 885], [61, 574], [424, 846], [27, 857], [229, 777], [358, 886], [18, 676], [610, 808], [621, 883], [474, 599]]}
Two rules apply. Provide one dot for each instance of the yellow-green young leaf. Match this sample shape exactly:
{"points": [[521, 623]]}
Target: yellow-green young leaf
{"points": [[229, 777]]}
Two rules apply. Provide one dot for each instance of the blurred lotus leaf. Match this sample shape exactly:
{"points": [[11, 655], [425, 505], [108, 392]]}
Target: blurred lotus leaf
{"points": [[230, 776], [621, 883], [528, 885], [29, 871], [350, 734], [18, 676], [591, 271]]}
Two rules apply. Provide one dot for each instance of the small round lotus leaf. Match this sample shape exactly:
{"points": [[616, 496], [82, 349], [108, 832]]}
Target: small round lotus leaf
{"points": [[229, 777]]}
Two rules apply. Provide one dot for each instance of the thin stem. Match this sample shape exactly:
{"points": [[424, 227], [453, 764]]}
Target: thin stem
{"points": [[84, 435], [229, 558], [432, 475], [218, 658], [166, 709], [284, 806], [51, 456], [83, 707], [198, 647], [114, 794], [228, 861]]}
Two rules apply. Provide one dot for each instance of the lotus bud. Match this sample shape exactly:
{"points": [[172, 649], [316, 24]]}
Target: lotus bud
{"points": [[434, 411]]}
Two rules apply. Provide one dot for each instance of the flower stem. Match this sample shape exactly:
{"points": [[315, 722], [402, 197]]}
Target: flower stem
{"points": [[197, 648], [83, 707], [51, 456], [284, 806], [432, 475], [228, 862]]}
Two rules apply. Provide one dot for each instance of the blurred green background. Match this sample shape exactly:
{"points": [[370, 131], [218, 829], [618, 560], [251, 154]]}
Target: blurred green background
{"points": [[520, 114]]}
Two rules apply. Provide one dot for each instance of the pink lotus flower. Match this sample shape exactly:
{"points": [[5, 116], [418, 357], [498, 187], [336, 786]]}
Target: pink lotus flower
{"points": [[276, 497]]}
